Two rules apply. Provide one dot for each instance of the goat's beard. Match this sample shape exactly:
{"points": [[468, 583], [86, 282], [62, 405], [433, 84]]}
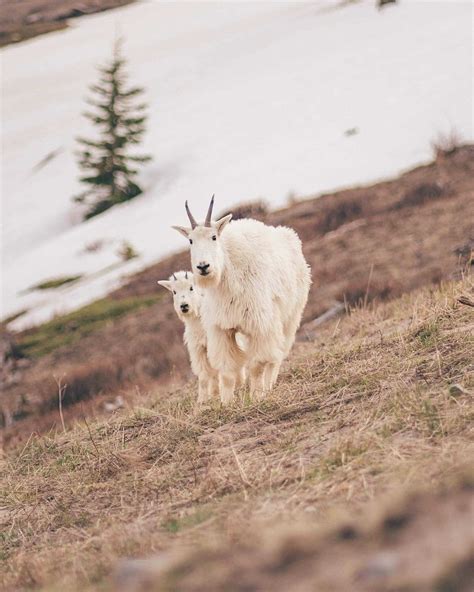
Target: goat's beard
{"points": [[186, 317], [208, 281]]}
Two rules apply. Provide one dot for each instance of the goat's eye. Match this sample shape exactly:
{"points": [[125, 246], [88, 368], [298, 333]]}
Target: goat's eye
{"points": [[191, 289], [214, 237], [190, 241], [174, 292]]}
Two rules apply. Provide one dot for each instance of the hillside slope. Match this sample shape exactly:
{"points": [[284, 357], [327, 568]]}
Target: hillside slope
{"points": [[363, 244], [246, 100], [381, 402], [20, 21]]}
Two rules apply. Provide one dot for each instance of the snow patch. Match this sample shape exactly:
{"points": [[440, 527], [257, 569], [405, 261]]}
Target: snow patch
{"points": [[247, 100]]}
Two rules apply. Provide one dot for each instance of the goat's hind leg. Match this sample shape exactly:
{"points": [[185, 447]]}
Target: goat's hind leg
{"points": [[268, 348], [272, 370], [227, 359], [241, 378], [257, 380]]}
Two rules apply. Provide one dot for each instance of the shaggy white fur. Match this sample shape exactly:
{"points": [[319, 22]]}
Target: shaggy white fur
{"points": [[187, 302], [255, 281]]}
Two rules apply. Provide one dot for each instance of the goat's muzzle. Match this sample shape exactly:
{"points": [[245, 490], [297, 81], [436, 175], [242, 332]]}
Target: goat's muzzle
{"points": [[203, 268]]}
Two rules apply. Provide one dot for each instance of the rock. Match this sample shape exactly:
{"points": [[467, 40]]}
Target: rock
{"points": [[144, 575], [456, 389], [116, 403], [351, 132], [139, 575], [379, 566]]}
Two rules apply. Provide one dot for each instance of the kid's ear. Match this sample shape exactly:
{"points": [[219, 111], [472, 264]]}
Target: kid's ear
{"points": [[166, 284], [222, 223], [184, 231]]}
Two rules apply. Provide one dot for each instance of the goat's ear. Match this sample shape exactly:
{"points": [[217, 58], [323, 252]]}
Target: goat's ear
{"points": [[166, 284], [222, 223], [184, 231]]}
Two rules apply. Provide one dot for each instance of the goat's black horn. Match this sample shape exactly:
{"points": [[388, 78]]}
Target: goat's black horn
{"points": [[190, 216], [209, 213]]}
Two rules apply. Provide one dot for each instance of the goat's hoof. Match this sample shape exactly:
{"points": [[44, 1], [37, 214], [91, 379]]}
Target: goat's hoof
{"points": [[258, 396]]}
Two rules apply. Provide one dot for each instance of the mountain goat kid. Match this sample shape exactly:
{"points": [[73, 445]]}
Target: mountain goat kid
{"points": [[187, 302], [255, 281]]}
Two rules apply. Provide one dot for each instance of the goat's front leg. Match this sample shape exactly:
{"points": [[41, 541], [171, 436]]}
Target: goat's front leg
{"points": [[227, 359], [227, 387], [272, 370], [203, 388], [213, 388]]}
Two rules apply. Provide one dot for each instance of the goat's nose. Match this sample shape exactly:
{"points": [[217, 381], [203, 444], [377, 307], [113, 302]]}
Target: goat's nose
{"points": [[203, 267], [184, 307]]}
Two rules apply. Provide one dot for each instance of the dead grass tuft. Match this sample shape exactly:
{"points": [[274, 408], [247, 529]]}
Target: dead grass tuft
{"points": [[446, 143]]}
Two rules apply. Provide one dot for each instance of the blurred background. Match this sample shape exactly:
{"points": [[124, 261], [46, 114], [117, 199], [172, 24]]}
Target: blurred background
{"points": [[268, 105]]}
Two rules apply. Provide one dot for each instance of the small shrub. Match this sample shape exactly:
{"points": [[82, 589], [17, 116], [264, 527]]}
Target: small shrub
{"points": [[428, 334], [466, 252], [175, 525], [420, 195], [126, 251], [339, 214], [446, 143], [430, 415], [93, 246], [9, 541], [342, 454]]}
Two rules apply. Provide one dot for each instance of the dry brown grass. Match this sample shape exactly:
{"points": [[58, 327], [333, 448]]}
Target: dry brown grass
{"points": [[446, 143], [364, 244], [364, 410]]}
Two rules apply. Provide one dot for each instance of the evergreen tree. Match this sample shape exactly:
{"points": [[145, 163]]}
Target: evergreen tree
{"points": [[109, 168]]}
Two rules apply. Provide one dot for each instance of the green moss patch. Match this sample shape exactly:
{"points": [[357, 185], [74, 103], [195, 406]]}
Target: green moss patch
{"points": [[66, 329], [55, 283]]}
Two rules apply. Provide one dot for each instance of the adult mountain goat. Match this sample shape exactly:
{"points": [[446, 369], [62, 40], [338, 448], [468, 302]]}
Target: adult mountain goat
{"points": [[255, 281]]}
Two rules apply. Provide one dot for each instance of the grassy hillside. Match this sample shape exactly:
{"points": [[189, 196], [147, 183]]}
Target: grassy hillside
{"points": [[70, 328], [364, 244], [352, 475]]}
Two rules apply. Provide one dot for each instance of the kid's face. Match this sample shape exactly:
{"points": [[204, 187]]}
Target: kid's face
{"points": [[185, 296]]}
